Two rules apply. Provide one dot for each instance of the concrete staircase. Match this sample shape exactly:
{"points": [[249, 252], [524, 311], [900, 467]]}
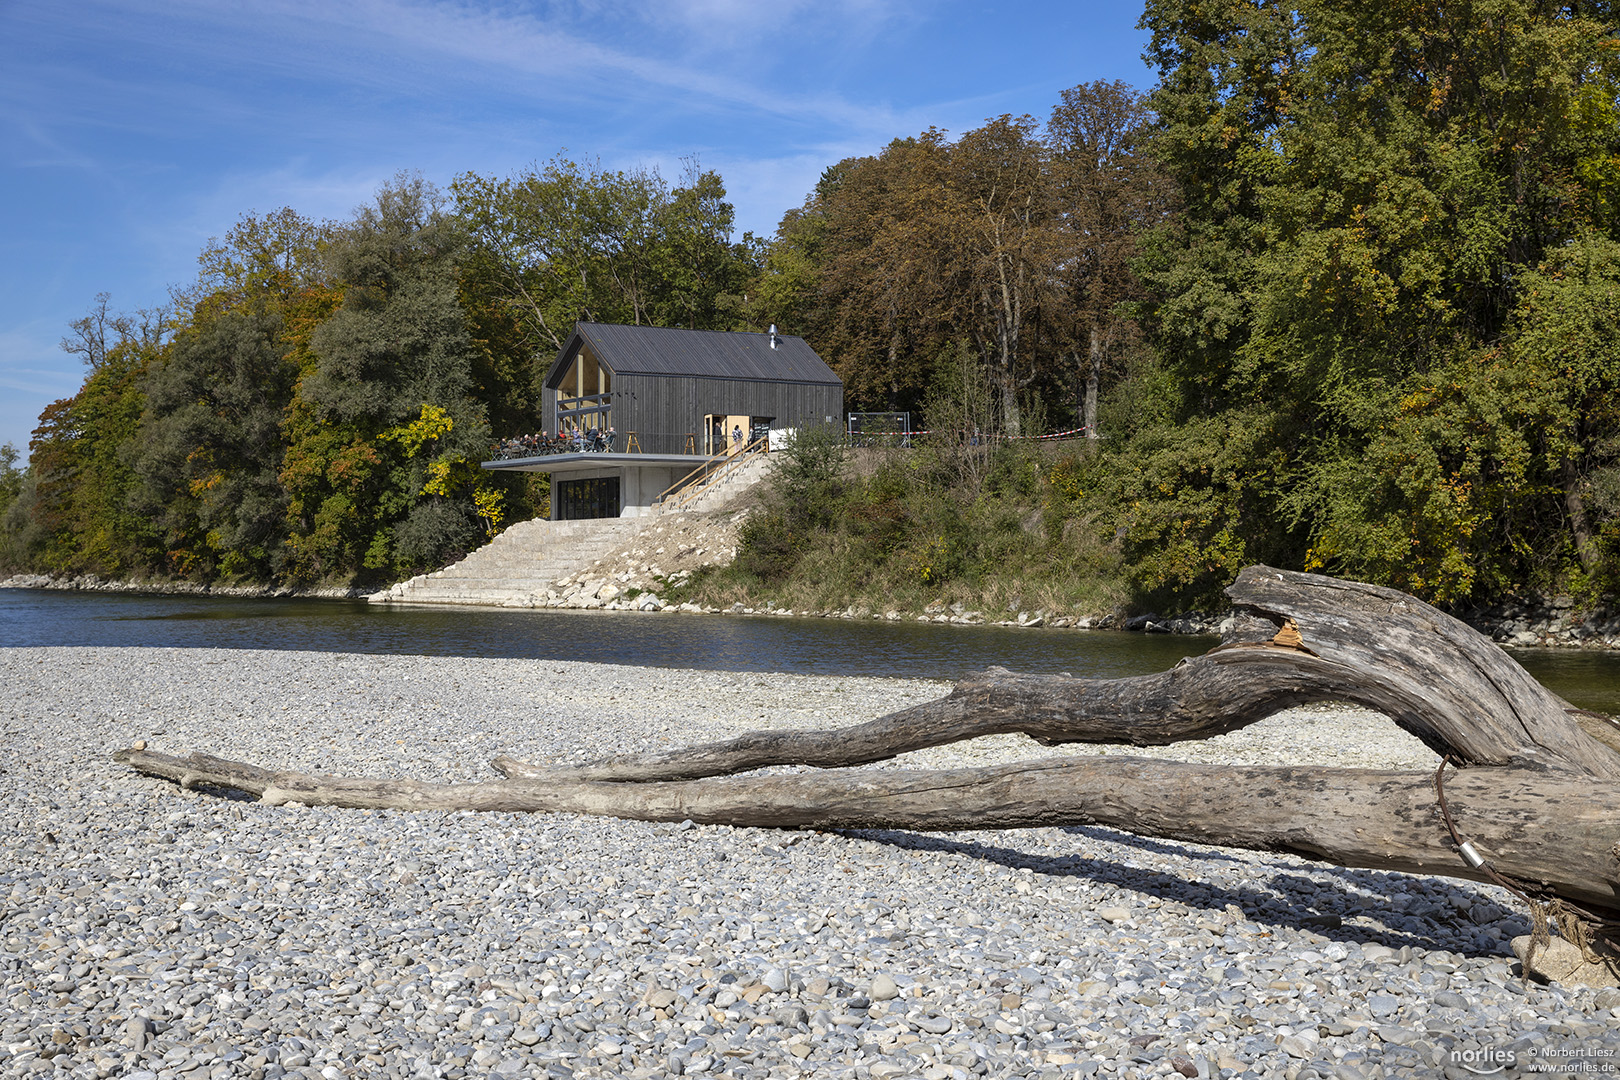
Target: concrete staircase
{"points": [[721, 488], [518, 563], [518, 566]]}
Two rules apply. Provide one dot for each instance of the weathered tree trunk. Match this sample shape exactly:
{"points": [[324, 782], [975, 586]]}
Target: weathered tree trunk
{"points": [[1547, 829], [1536, 795], [1093, 379], [1298, 638], [1585, 544]]}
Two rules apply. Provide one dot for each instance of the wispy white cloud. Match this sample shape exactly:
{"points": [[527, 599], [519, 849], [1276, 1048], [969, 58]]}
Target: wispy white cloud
{"points": [[33, 373], [755, 187], [44, 385], [321, 194], [35, 146], [417, 49], [780, 25], [575, 61], [318, 193]]}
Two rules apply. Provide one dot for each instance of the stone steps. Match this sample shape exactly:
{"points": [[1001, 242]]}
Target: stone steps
{"points": [[720, 492], [520, 562], [520, 565]]}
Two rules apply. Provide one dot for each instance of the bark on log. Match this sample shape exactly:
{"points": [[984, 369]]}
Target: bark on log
{"points": [[1340, 641], [1538, 797], [1555, 830]]}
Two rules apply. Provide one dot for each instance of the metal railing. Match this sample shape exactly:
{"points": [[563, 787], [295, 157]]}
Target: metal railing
{"points": [[713, 471], [583, 441]]}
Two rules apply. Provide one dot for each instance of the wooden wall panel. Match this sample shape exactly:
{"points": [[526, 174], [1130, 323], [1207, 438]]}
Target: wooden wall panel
{"points": [[661, 410]]}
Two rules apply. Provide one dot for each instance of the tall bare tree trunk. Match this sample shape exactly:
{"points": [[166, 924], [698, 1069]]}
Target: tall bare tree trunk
{"points": [[1007, 359], [1093, 377], [1585, 544]]}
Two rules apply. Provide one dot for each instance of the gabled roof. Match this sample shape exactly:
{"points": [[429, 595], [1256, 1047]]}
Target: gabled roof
{"points": [[713, 354]]}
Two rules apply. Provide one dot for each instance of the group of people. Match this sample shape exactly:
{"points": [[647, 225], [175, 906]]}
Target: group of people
{"points": [[576, 441]]}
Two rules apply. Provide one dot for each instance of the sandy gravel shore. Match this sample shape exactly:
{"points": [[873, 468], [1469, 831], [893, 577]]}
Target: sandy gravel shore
{"points": [[151, 932]]}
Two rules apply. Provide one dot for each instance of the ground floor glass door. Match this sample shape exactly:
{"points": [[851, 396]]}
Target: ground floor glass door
{"points": [[594, 498]]}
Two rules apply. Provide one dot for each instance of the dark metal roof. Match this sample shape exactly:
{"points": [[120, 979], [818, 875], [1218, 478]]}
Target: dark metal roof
{"points": [[713, 354]]}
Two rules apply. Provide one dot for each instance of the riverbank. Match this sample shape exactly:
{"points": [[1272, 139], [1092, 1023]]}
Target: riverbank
{"points": [[627, 581], [168, 587], [155, 932]]}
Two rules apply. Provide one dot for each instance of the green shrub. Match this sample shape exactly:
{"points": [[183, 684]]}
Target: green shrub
{"points": [[766, 548], [434, 534], [886, 529]]}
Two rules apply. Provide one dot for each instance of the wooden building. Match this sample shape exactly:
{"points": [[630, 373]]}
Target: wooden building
{"points": [[672, 399]]}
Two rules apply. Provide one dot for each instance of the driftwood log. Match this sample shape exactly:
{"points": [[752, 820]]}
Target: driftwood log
{"points": [[1533, 791]]}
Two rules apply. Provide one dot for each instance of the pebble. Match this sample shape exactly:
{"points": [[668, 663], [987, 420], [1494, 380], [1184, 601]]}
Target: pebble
{"points": [[883, 988], [166, 933], [1383, 1004], [1299, 1046]]}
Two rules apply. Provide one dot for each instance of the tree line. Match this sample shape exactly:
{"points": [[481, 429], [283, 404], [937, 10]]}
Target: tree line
{"points": [[1339, 293], [314, 407]]}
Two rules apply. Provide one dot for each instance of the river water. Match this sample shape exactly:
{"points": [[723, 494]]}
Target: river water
{"points": [[804, 646]]}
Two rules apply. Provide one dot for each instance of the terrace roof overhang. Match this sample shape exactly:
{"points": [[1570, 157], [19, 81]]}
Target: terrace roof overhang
{"points": [[562, 464]]}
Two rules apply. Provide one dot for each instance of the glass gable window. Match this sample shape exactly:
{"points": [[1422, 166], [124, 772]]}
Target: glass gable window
{"points": [[585, 395]]}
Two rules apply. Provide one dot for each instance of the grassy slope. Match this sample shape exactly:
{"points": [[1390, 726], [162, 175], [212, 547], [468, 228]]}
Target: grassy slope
{"points": [[997, 531]]}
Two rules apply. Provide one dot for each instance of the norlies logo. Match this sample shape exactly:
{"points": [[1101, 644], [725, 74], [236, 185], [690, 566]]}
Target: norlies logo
{"points": [[1485, 1061], [1562, 1060]]}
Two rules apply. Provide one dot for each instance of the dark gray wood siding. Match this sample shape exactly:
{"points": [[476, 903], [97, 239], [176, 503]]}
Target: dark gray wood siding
{"points": [[662, 410], [664, 381]]}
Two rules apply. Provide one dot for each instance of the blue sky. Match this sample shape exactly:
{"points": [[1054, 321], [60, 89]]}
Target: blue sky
{"points": [[133, 132]]}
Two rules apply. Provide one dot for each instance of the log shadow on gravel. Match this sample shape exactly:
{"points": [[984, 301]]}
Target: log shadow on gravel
{"points": [[225, 794], [1269, 905]]}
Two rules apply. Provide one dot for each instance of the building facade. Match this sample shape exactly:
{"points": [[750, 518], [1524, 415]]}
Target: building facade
{"points": [[671, 399]]}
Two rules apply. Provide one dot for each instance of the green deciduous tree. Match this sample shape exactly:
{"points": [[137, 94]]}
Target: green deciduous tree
{"points": [[879, 289], [1007, 228], [564, 242], [13, 508], [1013, 238], [1108, 192], [73, 512], [211, 446], [1565, 344], [1367, 191], [395, 354]]}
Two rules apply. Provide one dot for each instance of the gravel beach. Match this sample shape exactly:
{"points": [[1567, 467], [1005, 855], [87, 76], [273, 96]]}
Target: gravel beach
{"points": [[149, 932]]}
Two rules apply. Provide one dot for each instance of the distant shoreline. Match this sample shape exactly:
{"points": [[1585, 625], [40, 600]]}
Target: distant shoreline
{"points": [[1548, 623], [95, 583]]}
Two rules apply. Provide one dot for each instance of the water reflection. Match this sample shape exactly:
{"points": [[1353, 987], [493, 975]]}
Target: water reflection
{"points": [[805, 646], [1588, 678]]}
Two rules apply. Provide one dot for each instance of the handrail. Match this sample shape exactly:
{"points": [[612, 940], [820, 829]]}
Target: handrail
{"points": [[683, 481], [736, 461]]}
